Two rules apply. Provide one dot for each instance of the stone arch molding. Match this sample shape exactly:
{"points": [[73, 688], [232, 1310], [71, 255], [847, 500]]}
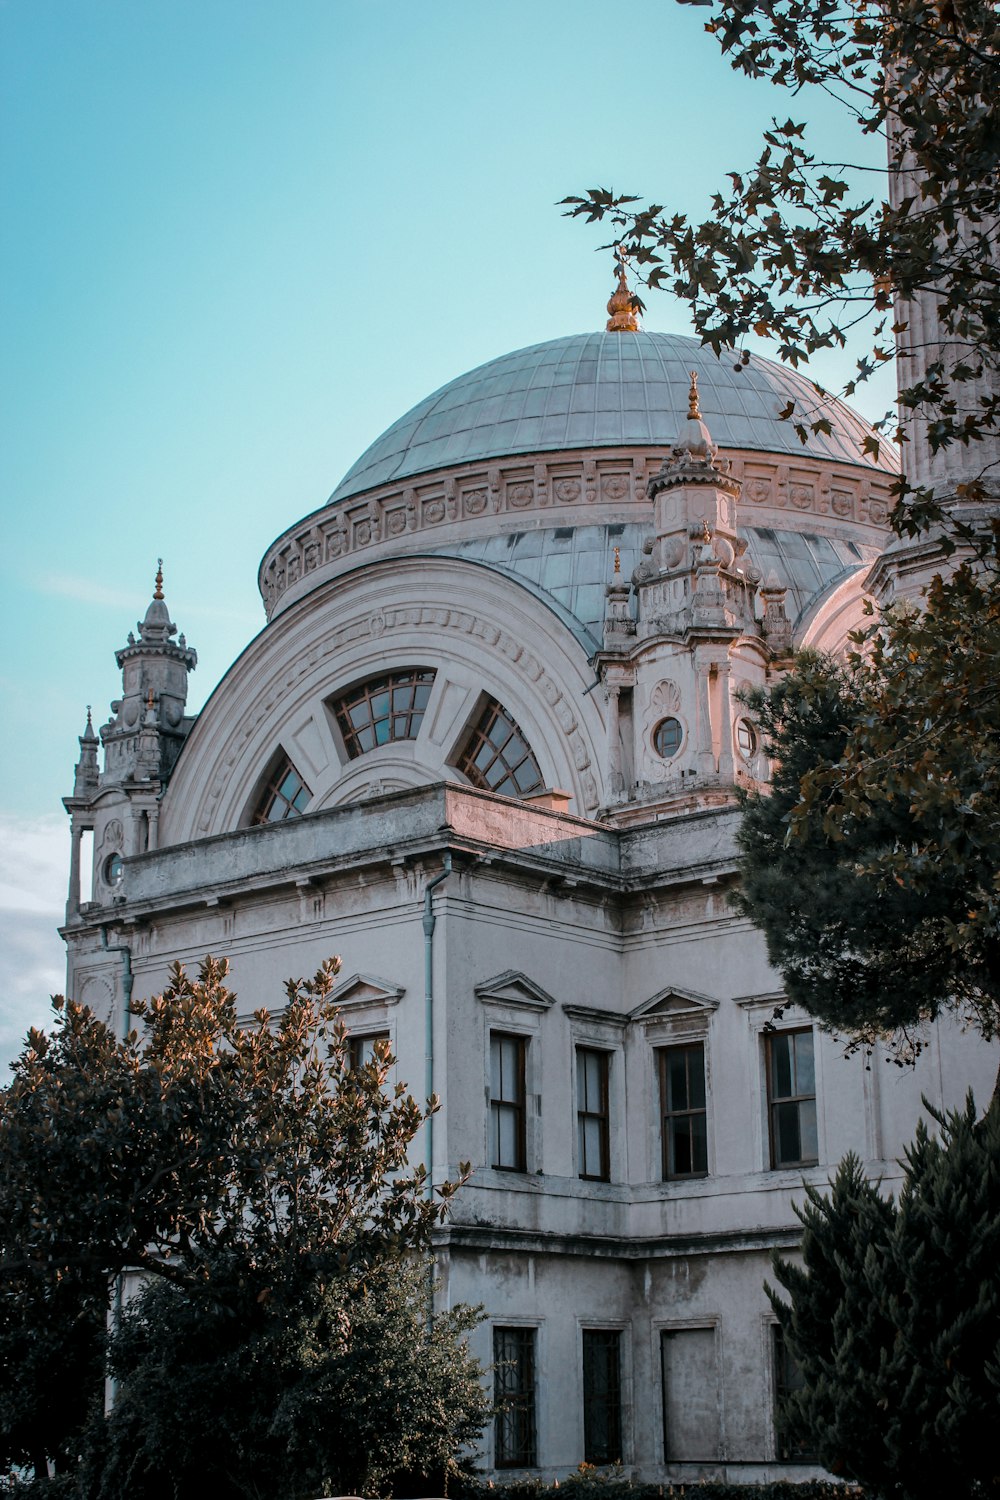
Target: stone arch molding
{"points": [[482, 631]]}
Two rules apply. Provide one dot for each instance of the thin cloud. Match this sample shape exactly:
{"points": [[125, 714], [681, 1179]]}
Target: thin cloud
{"points": [[34, 854], [85, 591]]}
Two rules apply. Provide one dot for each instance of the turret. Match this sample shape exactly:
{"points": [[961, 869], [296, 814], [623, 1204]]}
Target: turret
{"points": [[154, 676], [701, 631], [141, 741]]}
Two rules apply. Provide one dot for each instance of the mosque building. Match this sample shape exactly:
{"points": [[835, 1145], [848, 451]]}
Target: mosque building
{"points": [[487, 748]]}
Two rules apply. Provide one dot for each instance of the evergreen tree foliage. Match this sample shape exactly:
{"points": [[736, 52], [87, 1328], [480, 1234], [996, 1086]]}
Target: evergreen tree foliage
{"points": [[894, 1319]]}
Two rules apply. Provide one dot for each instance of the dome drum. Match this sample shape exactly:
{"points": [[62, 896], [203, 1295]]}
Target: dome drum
{"points": [[568, 432], [563, 489]]}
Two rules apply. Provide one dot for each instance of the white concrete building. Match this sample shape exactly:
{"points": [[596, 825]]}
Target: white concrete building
{"points": [[486, 748]]}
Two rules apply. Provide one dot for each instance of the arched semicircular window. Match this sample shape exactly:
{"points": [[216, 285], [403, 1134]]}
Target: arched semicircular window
{"points": [[284, 796], [383, 709], [496, 757]]}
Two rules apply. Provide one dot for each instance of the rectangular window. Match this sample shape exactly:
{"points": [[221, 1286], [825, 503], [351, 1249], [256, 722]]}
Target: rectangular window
{"points": [[362, 1048], [514, 1393], [791, 1099], [507, 1100], [787, 1380], [690, 1373], [602, 1396], [592, 1113], [683, 1106]]}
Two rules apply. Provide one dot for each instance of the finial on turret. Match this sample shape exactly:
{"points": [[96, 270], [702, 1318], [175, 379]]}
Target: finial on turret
{"points": [[158, 589], [694, 410], [624, 318], [618, 559]]}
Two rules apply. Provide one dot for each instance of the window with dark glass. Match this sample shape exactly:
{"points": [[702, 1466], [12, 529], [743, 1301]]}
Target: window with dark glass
{"points": [[285, 795], [383, 709], [514, 1392], [496, 756], [507, 1146], [602, 1396], [791, 1098], [684, 1111], [787, 1380], [361, 1049], [592, 1113]]}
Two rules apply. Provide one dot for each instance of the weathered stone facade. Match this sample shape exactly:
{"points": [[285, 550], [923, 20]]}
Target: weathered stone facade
{"points": [[603, 606]]}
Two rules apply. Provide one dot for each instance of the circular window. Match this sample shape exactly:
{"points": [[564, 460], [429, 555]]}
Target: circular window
{"points": [[114, 869], [667, 737], [746, 739]]}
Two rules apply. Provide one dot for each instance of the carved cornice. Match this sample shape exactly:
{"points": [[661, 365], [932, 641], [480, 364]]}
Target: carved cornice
{"points": [[572, 487]]}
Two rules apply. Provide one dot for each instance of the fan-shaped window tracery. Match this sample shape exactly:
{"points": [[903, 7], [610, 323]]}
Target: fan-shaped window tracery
{"points": [[383, 709], [496, 756], [285, 795]]}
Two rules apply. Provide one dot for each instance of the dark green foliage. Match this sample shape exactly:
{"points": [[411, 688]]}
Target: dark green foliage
{"points": [[46, 1328], [328, 1388], [598, 1486], [871, 866], [894, 1319]]}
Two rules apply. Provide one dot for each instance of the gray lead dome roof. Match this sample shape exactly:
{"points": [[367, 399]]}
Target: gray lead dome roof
{"points": [[605, 390]]}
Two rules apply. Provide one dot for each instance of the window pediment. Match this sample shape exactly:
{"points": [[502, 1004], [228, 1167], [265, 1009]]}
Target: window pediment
{"points": [[673, 1010], [514, 988], [365, 990]]}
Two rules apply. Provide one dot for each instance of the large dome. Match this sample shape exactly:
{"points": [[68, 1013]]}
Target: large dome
{"points": [[604, 390]]}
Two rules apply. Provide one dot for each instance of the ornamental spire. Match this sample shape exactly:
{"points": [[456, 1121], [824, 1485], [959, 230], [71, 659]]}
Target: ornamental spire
{"points": [[158, 585], [624, 318], [694, 410]]}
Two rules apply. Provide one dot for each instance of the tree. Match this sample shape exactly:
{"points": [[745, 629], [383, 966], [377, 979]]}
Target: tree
{"points": [[894, 1319], [808, 252], [245, 1164], [871, 864], [337, 1386]]}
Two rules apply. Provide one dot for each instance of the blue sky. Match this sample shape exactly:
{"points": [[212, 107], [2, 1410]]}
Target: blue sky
{"points": [[238, 238]]}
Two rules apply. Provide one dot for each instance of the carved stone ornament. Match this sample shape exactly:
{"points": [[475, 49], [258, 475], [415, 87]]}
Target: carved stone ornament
{"points": [[615, 486], [666, 697], [474, 502], [520, 495], [567, 490]]}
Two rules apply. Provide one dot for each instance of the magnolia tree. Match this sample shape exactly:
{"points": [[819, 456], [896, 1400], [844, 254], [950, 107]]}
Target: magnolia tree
{"points": [[261, 1187]]}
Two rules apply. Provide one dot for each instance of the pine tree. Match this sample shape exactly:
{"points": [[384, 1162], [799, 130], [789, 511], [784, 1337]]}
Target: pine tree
{"points": [[894, 1319]]}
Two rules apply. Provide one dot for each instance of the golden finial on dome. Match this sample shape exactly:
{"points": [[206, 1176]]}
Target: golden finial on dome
{"points": [[158, 589], [624, 318], [694, 410]]}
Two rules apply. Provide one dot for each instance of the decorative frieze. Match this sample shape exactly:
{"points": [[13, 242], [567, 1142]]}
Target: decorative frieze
{"points": [[602, 484]]}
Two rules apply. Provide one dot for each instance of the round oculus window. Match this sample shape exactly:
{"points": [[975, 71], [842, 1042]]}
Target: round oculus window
{"points": [[114, 869], [746, 739], [667, 738]]}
